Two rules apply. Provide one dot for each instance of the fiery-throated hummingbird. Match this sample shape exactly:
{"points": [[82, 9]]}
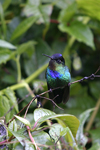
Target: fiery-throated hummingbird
{"points": [[58, 75]]}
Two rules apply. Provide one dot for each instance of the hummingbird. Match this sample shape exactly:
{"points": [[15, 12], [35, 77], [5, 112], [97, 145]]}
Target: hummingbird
{"points": [[58, 75]]}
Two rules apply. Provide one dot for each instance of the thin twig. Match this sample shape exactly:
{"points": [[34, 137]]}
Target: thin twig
{"points": [[31, 138], [41, 97], [92, 76], [29, 106], [52, 101]]}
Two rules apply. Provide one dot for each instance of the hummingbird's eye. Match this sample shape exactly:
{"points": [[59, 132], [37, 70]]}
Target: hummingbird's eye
{"points": [[58, 61]]}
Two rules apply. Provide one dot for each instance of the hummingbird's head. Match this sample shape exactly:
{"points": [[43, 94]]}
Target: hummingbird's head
{"points": [[55, 60]]}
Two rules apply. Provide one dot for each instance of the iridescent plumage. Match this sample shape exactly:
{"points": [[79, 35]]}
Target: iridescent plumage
{"points": [[58, 75]]}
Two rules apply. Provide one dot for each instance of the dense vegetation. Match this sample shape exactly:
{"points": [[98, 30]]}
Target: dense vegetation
{"points": [[27, 30]]}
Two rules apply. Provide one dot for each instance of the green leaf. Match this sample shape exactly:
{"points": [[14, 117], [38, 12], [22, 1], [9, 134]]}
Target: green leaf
{"points": [[3, 26], [46, 11], [90, 7], [80, 100], [63, 3], [4, 107], [67, 13], [6, 4], [42, 138], [40, 112], [95, 135], [23, 27], [6, 44], [95, 89], [30, 118], [4, 55], [9, 78], [80, 31], [71, 121], [41, 48], [11, 27], [43, 11], [12, 127], [25, 142], [34, 2], [24, 121], [95, 146], [54, 131], [69, 138], [11, 96], [22, 92], [25, 47], [80, 137]]}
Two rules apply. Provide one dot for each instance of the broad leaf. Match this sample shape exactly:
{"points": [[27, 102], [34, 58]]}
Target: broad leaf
{"points": [[71, 121], [67, 13], [6, 44], [69, 138], [41, 112], [90, 7], [4, 55], [59, 3], [3, 24], [42, 138], [23, 27], [80, 137], [12, 99], [41, 48], [4, 107], [95, 88], [6, 4], [25, 47], [23, 120], [9, 78], [63, 3], [80, 100], [95, 146], [36, 9], [12, 127], [55, 131], [95, 135], [25, 142], [80, 31]]}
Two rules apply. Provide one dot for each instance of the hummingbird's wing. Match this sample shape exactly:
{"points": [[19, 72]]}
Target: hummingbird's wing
{"points": [[54, 93], [66, 92], [51, 95]]}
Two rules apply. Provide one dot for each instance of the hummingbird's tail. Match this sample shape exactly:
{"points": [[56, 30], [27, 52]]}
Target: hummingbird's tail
{"points": [[66, 94]]}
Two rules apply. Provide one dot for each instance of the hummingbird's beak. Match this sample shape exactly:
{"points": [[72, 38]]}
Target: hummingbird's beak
{"points": [[47, 56]]}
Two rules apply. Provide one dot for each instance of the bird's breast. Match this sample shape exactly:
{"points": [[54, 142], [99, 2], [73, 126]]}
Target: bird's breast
{"points": [[57, 78]]}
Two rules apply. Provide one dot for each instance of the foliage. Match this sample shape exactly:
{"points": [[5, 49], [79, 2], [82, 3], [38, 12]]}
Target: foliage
{"points": [[27, 30]]}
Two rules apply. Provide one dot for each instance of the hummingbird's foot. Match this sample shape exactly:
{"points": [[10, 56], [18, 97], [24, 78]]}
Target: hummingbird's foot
{"points": [[39, 104], [69, 84], [50, 90]]}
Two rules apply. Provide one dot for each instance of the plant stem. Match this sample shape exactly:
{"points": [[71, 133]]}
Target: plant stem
{"points": [[35, 74], [28, 79], [32, 139], [18, 68], [17, 86], [69, 45]]}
